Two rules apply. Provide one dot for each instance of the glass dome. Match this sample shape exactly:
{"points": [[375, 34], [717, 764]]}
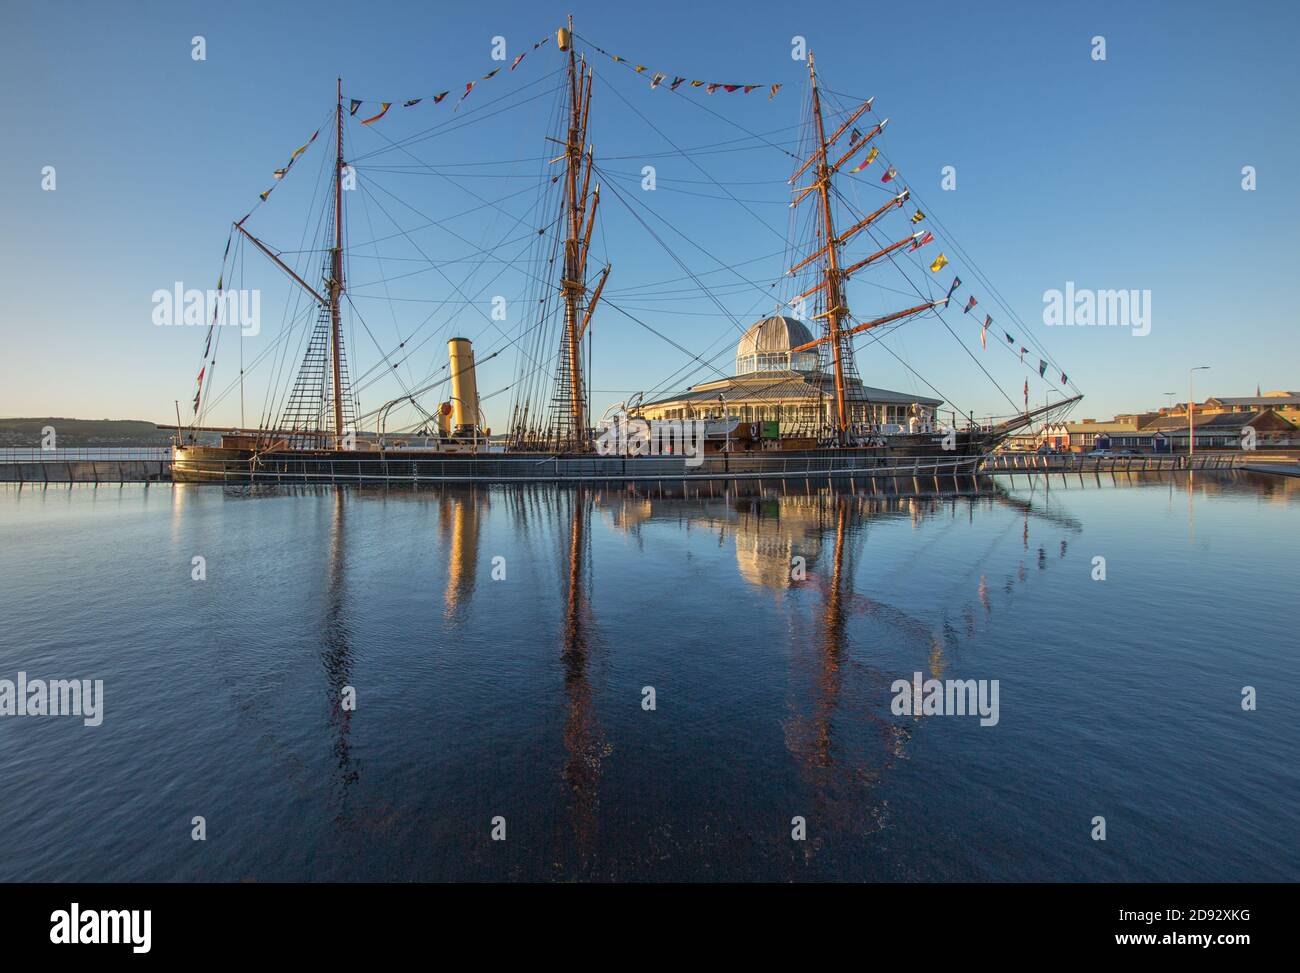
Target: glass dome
{"points": [[765, 347]]}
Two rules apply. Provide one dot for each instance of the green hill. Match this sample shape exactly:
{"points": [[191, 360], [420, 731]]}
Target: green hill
{"points": [[72, 433]]}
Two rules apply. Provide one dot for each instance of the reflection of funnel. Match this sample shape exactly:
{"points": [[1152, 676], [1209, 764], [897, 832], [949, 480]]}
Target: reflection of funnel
{"points": [[464, 387], [460, 522]]}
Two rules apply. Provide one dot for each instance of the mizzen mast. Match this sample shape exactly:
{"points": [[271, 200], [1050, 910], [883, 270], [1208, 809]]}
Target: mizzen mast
{"points": [[835, 306], [836, 315], [322, 385]]}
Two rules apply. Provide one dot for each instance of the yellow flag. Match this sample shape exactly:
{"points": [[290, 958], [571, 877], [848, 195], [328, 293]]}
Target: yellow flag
{"points": [[940, 262]]}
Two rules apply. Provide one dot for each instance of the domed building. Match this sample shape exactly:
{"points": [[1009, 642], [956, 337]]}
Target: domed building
{"points": [[775, 383]]}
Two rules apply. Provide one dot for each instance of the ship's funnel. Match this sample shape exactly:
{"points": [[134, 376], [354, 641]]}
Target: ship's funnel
{"points": [[464, 386], [444, 419]]}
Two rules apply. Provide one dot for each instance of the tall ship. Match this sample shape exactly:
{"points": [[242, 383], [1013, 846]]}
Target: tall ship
{"points": [[792, 404]]}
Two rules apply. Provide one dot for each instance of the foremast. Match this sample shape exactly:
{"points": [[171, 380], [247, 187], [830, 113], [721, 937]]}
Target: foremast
{"points": [[837, 326]]}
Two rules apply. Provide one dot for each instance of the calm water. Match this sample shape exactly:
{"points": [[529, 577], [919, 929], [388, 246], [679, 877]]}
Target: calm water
{"points": [[522, 697]]}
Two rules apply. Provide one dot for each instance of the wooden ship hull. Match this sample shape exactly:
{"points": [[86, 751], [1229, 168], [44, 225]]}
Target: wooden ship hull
{"points": [[909, 454]]}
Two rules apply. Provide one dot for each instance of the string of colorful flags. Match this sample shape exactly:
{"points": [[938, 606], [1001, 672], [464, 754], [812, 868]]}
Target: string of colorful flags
{"points": [[941, 261], [971, 303], [660, 78], [284, 170], [355, 104]]}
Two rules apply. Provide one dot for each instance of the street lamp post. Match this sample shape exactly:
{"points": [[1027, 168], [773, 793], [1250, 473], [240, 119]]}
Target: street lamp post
{"points": [[726, 424], [1191, 412]]}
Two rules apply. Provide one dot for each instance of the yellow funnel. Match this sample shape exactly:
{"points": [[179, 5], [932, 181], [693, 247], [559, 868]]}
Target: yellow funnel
{"points": [[464, 386]]}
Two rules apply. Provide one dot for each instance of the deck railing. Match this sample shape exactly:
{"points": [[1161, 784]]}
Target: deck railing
{"points": [[30, 454], [1134, 463], [88, 464]]}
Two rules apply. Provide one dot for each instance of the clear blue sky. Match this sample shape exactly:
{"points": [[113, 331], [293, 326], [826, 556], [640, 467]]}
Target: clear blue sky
{"points": [[1117, 174]]}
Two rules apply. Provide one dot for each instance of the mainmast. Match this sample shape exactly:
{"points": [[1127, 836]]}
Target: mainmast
{"points": [[336, 277], [580, 204], [835, 306], [836, 313]]}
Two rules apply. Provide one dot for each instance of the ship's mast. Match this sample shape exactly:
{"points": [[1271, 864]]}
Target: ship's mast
{"points": [[336, 277], [835, 306], [581, 202], [839, 327]]}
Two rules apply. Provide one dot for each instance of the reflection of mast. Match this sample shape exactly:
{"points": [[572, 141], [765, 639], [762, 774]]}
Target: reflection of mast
{"points": [[843, 739], [581, 731], [832, 648], [337, 656]]}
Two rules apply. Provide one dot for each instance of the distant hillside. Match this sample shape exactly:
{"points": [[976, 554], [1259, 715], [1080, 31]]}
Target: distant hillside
{"points": [[71, 433]]}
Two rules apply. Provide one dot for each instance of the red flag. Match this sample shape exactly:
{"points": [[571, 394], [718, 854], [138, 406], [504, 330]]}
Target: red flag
{"points": [[970, 304], [468, 88], [198, 391]]}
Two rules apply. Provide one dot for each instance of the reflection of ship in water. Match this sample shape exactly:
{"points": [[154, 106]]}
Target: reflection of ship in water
{"points": [[806, 549], [841, 638]]}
